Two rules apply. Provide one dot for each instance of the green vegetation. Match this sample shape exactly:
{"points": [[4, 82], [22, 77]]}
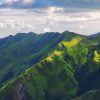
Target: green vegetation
{"points": [[19, 52], [68, 69], [96, 56], [71, 43]]}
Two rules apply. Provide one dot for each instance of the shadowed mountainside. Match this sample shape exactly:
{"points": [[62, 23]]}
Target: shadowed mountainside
{"points": [[69, 70]]}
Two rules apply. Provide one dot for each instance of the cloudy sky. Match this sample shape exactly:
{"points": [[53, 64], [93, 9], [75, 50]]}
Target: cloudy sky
{"points": [[39, 16]]}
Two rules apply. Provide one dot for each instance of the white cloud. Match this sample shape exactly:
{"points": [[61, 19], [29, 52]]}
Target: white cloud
{"points": [[28, 1], [21, 1], [55, 9], [46, 29], [46, 20], [94, 15], [83, 26], [8, 1]]}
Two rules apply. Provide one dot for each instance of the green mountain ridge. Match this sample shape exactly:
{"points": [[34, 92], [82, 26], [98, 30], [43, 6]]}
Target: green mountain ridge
{"points": [[68, 70], [19, 52]]}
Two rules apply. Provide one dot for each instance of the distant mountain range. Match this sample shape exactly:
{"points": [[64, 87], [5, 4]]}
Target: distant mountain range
{"points": [[50, 66], [95, 35]]}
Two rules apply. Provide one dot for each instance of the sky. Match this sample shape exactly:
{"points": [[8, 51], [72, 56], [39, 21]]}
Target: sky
{"points": [[39, 16]]}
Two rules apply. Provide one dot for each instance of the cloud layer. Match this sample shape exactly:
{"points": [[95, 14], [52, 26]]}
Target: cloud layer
{"points": [[51, 19], [49, 15], [46, 3]]}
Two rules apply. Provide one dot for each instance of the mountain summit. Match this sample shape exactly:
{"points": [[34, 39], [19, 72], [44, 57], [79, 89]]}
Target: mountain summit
{"points": [[50, 67]]}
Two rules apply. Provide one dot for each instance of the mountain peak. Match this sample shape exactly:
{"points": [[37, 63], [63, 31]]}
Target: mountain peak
{"points": [[95, 35]]}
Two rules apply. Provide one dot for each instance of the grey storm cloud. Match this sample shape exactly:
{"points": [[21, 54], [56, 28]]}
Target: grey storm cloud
{"points": [[46, 3]]}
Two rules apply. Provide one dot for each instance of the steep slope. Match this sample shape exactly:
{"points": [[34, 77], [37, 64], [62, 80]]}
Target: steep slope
{"points": [[70, 68], [19, 52], [88, 75], [54, 78]]}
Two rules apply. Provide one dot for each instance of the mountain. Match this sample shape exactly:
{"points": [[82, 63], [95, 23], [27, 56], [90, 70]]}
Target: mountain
{"points": [[68, 69], [95, 37], [19, 52]]}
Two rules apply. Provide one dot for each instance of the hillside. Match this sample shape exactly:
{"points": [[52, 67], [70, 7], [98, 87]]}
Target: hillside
{"points": [[19, 52], [69, 70], [95, 37]]}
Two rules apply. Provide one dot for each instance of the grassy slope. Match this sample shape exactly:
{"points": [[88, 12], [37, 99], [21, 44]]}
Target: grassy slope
{"points": [[58, 78], [51, 79], [17, 53]]}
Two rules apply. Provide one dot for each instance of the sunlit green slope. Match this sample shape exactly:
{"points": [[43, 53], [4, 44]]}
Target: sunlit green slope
{"points": [[68, 71], [59, 76], [19, 52]]}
